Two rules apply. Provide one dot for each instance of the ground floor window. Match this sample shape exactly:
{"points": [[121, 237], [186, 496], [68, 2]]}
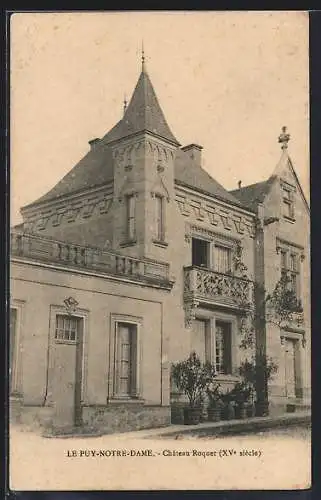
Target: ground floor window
{"points": [[125, 376], [223, 347], [212, 341]]}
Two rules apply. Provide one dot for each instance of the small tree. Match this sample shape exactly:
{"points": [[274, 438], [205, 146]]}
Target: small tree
{"points": [[250, 369], [192, 377]]}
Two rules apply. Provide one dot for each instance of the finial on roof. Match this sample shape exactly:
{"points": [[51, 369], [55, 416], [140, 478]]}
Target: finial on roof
{"points": [[143, 57], [125, 103], [239, 184], [284, 139]]}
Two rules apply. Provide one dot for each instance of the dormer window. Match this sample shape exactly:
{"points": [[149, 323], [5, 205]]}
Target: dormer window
{"points": [[287, 203]]}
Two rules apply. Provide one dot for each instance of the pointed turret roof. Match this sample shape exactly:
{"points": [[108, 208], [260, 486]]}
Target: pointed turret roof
{"points": [[143, 114]]}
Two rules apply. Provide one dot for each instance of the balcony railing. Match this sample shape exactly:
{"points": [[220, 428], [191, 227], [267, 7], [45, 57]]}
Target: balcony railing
{"points": [[52, 251], [208, 286]]}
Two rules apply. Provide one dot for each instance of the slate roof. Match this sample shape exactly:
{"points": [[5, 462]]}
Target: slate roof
{"points": [[143, 114], [250, 196], [194, 176]]}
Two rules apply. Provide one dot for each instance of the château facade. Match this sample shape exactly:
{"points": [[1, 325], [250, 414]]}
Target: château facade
{"points": [[132, 261]]}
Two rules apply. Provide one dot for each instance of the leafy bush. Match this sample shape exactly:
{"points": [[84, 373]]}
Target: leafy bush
{"points": [[192, 377]]}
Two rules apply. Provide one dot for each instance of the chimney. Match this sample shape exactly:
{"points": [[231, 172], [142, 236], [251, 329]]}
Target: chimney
{"points": [[93, 142], [194, 151], [239, 184]]}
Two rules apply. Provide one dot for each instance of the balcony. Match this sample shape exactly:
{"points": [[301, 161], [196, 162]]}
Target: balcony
{"points": [[48, 250], [208, 287]]}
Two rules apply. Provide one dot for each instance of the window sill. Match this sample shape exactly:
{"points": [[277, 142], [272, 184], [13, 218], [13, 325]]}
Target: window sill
{"points": [[128, 243], [126, 400], [289, 219], [228, 377], [160, 243]]}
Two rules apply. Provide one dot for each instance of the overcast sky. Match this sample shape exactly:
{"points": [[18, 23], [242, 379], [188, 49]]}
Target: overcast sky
{"points": [[225, 80]]}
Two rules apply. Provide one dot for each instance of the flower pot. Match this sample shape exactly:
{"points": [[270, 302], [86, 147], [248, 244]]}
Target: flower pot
{"points": [[203, 414], [240, 411], [250, 410], [229, 412], [192, 415], [262, 408], [290, 408], [177, 415], [214, 414]]}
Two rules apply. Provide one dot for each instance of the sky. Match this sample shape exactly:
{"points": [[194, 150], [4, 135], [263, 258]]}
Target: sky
{"points": [[225, 80]]}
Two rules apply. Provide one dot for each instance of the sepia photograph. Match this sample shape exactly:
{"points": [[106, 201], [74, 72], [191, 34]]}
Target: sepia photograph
{"points": [[160, 326]]}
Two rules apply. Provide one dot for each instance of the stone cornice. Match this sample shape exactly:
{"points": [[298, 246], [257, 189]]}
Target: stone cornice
{"points": [[142, 281]]}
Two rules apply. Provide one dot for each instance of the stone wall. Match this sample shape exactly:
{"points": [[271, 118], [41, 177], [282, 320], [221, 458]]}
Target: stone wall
{"points": [[126, 417]]}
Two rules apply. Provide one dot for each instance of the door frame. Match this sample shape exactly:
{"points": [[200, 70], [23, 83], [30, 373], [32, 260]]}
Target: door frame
{"points": [[298, 360], [16, 388], [82, 314]]}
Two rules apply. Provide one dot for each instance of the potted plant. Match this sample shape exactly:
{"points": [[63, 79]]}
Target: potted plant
{"points": [[247, 371], [191, 377], [241, 395], [215, 403], [251, 370], [228, 412]]}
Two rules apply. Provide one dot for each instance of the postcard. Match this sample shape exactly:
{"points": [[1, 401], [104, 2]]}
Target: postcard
{"points": [[160, 332]]}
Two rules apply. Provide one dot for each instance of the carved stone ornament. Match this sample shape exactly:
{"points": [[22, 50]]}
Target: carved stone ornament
{"points": [[70, 305], [282, 340], [190, 312], [303, 341]]}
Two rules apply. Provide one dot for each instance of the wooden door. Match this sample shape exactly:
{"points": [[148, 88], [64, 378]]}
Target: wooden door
{"points": [[290, 368], [67, 370]]}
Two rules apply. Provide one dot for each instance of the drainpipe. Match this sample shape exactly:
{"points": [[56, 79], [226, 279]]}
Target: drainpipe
{"points": [[260, 316], [260, 319]]}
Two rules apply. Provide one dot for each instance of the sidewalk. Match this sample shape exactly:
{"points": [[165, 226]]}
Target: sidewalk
{"points": [[223, 427]]}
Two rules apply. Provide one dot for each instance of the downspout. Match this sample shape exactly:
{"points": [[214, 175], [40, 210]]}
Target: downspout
{"points": [[260, 316]]}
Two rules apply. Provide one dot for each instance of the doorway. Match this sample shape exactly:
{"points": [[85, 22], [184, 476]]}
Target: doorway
{"points": [[68, 370], [290, 368]]}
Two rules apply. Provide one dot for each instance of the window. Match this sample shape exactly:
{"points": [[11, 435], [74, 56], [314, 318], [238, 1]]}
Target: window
{"points": [[13, 346], [131, 223], [290, 270], [293, 274], [67, 328], [160, 227], [283, 265], [125, 379], [200, 252], [222, 259], [288, 203], [223, 347]]}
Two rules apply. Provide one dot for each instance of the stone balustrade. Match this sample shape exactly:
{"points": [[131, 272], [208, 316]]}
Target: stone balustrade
{"points": [[52, 251]]}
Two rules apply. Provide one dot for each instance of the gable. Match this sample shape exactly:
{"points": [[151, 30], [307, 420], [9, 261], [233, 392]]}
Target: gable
{"points": [[286, 173]]}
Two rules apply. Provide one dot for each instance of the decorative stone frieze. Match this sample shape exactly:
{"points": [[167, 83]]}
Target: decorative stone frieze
{"points": [[215, 215], [68, 213]]}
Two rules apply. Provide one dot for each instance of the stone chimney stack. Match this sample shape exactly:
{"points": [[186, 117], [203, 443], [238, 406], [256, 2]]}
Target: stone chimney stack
{"points": [[93, 142], [194, 151]]}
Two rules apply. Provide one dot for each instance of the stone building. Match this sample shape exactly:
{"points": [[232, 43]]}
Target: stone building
{"points": [[132, 261]]}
